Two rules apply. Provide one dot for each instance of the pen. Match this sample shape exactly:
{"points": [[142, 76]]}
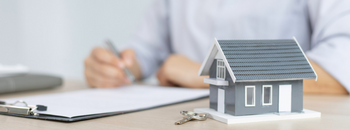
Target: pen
{"points": [[128, 73]]}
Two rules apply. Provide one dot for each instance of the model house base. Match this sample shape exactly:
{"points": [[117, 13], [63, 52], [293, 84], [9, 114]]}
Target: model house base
{"points": [[230, 119]]}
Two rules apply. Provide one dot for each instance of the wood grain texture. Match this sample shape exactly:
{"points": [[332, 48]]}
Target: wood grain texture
{"points": [[334, 109]]}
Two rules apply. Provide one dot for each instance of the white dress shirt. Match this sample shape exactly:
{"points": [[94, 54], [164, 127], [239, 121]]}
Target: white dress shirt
{"points": [[188, 27]]}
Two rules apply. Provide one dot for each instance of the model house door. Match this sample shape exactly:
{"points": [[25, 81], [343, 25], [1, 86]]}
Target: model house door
{"points": [[221, 100], [285, 98]]}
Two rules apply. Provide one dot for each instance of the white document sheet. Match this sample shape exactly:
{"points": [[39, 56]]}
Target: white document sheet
{"points": [[97, 101]]}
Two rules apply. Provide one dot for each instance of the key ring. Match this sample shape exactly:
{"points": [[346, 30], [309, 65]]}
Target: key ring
{"points": [[19, 101]]}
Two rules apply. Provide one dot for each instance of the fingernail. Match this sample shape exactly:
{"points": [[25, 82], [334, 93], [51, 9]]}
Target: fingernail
{"points": [[121, 65]]}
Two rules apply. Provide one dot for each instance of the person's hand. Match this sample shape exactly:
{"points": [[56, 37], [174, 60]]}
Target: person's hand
{"points": [[178, 70], [104, 70]]}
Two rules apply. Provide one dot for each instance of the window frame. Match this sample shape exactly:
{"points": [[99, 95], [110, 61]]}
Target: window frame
{"points": [[254, 101], [219, 67], [263, 95]]}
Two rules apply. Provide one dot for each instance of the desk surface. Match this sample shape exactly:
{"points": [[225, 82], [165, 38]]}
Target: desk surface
{"points": [[335, 115]]}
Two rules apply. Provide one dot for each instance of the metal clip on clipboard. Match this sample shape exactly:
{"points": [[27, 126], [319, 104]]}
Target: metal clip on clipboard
{"points": [[22, 110]]}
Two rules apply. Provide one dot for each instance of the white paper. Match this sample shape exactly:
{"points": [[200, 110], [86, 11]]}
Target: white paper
{"points": [[96, 101]]}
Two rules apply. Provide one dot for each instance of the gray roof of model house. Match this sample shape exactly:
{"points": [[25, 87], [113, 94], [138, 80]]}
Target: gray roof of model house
{"points": [[266, 59], [260, 60]]}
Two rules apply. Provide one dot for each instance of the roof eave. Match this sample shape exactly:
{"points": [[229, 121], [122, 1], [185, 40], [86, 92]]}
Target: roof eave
{"points": [[228, 67], [305, 57], [204, 69], [257, 80]]}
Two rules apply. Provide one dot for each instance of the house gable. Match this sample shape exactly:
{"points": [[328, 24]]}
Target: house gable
{"points": [[214, 52]]}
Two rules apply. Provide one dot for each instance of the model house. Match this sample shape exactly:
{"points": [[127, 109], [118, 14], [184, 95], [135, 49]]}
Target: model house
{"points": [[256, 76]]}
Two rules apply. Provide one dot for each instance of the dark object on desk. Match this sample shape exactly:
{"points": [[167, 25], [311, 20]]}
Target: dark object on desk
{"points": [[27, 82], [41, 107]]}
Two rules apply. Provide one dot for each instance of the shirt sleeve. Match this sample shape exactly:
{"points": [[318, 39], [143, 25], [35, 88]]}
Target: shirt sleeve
{"points": [[330, 41], [151, 40]]}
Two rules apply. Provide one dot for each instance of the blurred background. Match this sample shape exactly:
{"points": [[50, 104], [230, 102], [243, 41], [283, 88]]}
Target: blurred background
{"points": [[55, 36]]}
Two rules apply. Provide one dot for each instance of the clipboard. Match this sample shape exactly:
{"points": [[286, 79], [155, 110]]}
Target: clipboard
{"points": [[31, 111]]}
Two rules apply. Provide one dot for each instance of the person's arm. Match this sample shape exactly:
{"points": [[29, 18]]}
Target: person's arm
{"points": [[151, 41], [325, 84], [178, 70], [330, 46]]}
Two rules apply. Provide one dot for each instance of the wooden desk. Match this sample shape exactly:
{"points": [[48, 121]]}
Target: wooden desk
{"points": [[335, 115]]}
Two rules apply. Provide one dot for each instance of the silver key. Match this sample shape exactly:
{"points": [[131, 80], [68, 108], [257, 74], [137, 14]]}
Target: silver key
{"points": [[190, 116], [185, 119]]}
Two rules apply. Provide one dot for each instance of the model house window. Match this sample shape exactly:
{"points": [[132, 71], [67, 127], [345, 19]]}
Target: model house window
{"points": [[249, 96], [267, 94], [220, 69]]}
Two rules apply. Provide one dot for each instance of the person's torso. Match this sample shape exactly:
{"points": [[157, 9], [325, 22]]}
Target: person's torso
{"points": [[195, 23]]}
